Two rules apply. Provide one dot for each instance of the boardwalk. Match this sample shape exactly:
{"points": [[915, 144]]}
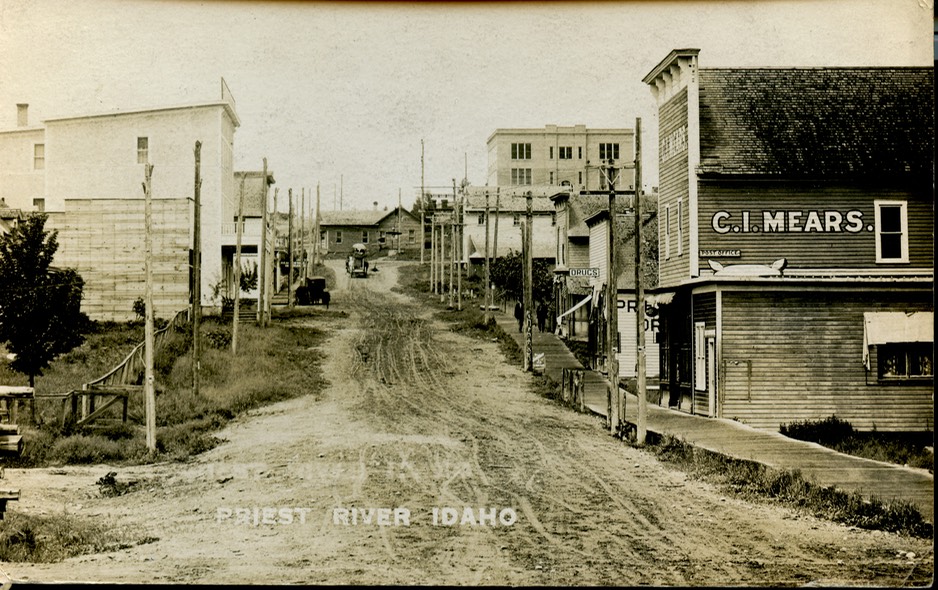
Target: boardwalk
{"points": [[816, 463]]}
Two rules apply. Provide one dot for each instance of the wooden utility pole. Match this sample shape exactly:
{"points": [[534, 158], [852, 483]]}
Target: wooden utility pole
{"points": [[317, 245], [432, 256], [197, 271], [262, 278], [423, 226], [612, 361], [290, 250], [641, 429], [495, 238], [149, 390], [442, 260], [235, 316], [303, 234], [457, 248], [485, 298], [528, 287], [274, 262]]}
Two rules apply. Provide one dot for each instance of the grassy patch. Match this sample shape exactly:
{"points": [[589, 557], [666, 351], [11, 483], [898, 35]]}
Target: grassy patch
{"points": [[754, 481], [913, 449], [273, 364], [27, 538]]}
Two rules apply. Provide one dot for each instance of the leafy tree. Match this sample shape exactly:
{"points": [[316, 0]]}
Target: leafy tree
{"points": [[40, 306], [507, 273]]}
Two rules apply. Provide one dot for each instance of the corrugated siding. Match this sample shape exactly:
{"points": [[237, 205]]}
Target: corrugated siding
{"points": [[104, 241], [798, 356], [673, 185], [834, 249]]}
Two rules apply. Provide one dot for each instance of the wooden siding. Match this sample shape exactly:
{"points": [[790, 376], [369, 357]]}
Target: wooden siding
{"points": [[815, 249], [673, 185], [104, 241], [578, 255], [627, 355], [791, 356], [599, 245]]}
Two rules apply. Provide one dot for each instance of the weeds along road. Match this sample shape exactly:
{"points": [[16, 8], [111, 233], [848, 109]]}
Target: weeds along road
{"points": [[428, 460]]}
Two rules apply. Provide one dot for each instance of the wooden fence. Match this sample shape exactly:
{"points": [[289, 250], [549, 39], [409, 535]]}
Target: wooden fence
{"points": [[119, 383], [572, 382]]}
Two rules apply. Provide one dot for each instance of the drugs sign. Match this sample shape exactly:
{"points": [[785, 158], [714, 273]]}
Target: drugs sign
{"points": [[585, 272]]}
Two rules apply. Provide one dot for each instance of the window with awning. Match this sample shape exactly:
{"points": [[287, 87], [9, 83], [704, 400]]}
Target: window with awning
{"points": [[901, 343]]}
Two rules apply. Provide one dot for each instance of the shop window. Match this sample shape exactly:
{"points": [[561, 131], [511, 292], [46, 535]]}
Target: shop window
{"points": [[907, 360], [700, 356], [899, 346], [892, 234]]}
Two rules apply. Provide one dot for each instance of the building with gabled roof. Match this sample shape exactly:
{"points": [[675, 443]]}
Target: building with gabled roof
{"points": [[796, 265], [396, 229]]}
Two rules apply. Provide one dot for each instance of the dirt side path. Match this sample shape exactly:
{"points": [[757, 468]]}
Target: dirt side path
{"points": [[418, 418]]}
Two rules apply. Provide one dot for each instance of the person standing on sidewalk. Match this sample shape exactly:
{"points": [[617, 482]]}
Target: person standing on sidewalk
{"points": [[519, 315], [541, 316]]}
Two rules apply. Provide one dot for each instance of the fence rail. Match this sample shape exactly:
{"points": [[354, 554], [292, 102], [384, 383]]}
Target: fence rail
{"points": [[130, 370]]}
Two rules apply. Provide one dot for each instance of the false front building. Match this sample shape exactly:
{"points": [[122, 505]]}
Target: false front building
{"points": [[796, 243]]}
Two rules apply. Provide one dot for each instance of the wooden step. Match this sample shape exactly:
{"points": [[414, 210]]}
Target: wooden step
{"points": [[11, 443]]}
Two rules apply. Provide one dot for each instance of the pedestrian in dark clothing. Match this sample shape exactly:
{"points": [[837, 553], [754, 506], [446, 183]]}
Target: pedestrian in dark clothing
{"points": [[519, 315], [541, 316]]}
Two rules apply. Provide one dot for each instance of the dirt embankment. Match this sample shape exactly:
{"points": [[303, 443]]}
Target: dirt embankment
{"points": [[427, 461]]}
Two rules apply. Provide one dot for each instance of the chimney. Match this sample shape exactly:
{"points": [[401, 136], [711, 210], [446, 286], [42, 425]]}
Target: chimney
{"points": [[22, 110]]}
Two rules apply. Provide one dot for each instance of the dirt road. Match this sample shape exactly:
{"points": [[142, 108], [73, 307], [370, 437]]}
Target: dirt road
{"points": [[429, 461]]}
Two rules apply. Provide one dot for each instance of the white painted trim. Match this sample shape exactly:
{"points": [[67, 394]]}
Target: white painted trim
{"points": [[903, 228]]}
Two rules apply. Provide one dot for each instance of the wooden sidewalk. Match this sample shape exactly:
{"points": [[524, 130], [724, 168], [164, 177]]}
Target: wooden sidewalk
{"points": [[733, 439]]}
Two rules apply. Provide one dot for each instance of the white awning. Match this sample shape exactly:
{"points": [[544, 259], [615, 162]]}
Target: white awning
{"points": [[582, 302], [658, 299], [886, 327]]}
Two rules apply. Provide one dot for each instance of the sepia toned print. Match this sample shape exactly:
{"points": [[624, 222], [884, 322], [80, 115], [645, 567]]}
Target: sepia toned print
{"points": [[573, 294]]}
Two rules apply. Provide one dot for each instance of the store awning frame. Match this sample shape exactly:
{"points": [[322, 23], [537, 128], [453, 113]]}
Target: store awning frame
{"points": [[893, 327]]}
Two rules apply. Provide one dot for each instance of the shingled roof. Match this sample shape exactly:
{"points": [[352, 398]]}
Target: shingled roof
{"points": [[817, 122]]}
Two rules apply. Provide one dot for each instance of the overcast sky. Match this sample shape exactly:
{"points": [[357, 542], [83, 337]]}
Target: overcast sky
{"points": [[342, 93]]}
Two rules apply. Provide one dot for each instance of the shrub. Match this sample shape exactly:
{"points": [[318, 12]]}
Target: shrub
{"points": [[824, 432], [88, 449]]}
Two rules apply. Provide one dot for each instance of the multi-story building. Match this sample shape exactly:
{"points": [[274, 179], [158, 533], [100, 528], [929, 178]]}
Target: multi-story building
{"points": [[86, 173], [796, 242], [560, 156]]}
